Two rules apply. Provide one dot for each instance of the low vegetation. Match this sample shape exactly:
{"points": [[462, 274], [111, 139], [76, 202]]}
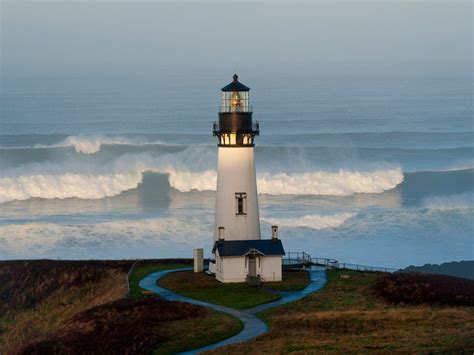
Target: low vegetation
{"points": [[417, 288], [83, 305], [293, 280], [38, 296], [464, 269], [26, 283], [139, 326], [123, 326], [234, 295], [350, 316]]}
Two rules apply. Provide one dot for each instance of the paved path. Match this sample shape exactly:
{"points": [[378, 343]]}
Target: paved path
{"points": [[253, 326]]}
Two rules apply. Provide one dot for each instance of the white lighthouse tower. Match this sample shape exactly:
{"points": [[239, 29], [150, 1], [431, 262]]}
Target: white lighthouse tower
{"points": [[236, 197], [239, 252]]}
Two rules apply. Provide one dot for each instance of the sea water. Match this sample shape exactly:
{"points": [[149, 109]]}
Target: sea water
{"points": [[373, 171]]}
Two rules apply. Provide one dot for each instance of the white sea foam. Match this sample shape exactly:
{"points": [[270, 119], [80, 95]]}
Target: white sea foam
{"points": [[92, 144], [67, 185], [341, 183], [314, 221], [452, 202], [126, 174], [120, 238]]}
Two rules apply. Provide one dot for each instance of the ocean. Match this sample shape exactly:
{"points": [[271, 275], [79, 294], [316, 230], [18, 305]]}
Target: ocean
{"points": [[373, 171]]}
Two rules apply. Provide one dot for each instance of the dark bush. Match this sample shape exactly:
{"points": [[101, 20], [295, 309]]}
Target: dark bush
{"points": [[123, 327], [417, 288]]}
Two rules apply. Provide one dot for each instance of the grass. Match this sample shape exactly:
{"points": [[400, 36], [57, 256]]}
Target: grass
{"points": [[49, 303], [189, 334], [234, 295], [143, 325], [26, 283], [293, 280], [58, 307], [348, 316], [203, 287], [144, 269]]}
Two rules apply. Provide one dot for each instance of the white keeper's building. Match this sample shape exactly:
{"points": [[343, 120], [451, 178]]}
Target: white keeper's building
{"points": [[240, 253]]}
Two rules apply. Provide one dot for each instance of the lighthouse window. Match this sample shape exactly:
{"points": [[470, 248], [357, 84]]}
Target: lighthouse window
{"points": [[240, 203]]}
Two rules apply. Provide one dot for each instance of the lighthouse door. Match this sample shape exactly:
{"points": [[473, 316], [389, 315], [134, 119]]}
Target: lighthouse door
{"points": [[252, 266]]}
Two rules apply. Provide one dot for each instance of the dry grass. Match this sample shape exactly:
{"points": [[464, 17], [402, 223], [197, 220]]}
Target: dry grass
{"points": [[62, 306], [122, 327], [348, 317], [26, 283], [59, 306]]}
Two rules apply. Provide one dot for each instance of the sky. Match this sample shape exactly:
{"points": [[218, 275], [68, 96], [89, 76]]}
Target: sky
{"points": [[199, 39]]}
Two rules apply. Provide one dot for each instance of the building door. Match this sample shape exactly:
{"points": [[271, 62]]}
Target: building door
{"points": [[252, 266]]}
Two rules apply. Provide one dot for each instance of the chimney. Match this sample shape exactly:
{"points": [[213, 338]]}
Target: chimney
{"points": [[274, 233], [221, 233]]}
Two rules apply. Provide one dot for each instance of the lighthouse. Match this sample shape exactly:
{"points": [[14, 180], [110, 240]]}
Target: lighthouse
{"points": [[236, 196], [240, 253]]}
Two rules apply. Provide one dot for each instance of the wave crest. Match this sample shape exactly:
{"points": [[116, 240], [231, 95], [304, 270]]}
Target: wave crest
{"points": [[93, 144], [67, 185], [93, 186], [341, 183]]}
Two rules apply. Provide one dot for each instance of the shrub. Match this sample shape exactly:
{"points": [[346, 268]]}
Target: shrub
{"points": [[122, 327], [417, 288]]}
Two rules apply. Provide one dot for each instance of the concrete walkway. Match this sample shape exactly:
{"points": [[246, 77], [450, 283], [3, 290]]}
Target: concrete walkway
{"points": [[253, 326]]}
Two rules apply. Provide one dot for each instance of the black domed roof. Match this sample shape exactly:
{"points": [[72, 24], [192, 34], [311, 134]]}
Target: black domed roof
{"points": [[235, 85]]}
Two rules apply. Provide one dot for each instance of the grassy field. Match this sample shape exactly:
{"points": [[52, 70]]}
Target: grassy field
{"points": [[138, 326], [235, 295], [350, 316], [38, 296], [48, 306], [189, 334]]}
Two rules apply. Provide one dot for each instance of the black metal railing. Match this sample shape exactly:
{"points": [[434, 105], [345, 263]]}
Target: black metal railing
{"points": [[304, 259], [255, 127]]}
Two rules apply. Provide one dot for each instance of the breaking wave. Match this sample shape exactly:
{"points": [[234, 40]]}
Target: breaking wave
{"points": [[97, 186], [92, 144], [315, 221], [67, 185], [89, 144]]}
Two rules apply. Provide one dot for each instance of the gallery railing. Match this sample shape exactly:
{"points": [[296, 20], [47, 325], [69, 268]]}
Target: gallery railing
{"points": [[305, 259]]}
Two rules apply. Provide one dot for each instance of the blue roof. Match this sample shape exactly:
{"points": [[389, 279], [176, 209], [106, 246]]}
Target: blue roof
{"points": [[235, 85], [267, 247]]}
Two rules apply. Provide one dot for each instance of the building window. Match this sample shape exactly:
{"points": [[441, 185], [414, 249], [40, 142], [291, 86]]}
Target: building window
{"points": [[240, 203]]}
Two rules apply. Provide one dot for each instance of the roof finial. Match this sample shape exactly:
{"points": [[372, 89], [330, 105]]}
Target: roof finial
{"points": [[236, 77]]}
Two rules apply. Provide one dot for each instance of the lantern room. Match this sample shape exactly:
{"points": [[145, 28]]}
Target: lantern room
{"points": [[235, 127], [235, 97]]}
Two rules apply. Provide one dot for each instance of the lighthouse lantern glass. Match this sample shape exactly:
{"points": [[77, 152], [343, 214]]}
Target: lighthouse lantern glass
{"points": [[235, 101]]}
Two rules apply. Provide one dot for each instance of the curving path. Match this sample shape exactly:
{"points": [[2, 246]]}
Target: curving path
{"points": [[253, 326]]}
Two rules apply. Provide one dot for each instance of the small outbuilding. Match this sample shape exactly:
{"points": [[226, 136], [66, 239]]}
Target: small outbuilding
{"points": [[244, 260]]}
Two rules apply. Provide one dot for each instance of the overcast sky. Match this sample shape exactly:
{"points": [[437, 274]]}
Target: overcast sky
{"points": [[304, 39]]}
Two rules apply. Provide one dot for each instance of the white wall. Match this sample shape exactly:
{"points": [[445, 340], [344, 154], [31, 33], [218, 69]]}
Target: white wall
{"points": [[235, 269], [270, 268], [236, 173]]}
